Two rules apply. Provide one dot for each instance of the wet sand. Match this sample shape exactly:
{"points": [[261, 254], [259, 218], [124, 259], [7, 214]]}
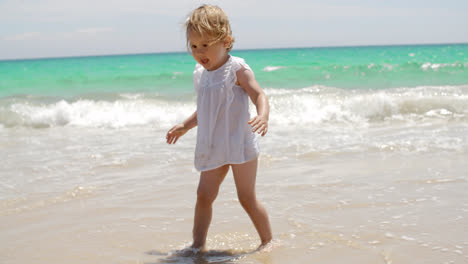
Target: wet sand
{"points": [[324, 208]]}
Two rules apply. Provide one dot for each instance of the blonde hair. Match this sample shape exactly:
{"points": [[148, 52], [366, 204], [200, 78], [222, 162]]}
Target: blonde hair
{"points": [[212, 21]]}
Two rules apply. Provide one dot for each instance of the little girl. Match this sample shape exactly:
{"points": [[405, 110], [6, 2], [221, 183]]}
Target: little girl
{"points": [[225, 136]]}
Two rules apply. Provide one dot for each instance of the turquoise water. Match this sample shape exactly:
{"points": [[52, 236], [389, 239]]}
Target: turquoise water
{"points": [[374, 67], [106, 74], [314, 85]]}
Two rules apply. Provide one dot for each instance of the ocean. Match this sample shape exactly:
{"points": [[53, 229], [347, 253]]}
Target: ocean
{"points": [[365, 161]]}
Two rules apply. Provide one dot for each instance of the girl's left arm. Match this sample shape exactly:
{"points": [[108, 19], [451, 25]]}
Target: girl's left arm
{"points": [[246, 80]]}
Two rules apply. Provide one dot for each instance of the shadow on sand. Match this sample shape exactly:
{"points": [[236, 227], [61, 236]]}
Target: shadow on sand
{"points": [[189, 256]]}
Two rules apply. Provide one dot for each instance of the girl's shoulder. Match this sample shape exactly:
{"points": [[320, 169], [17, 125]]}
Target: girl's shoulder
{"points": [[239, 63]]}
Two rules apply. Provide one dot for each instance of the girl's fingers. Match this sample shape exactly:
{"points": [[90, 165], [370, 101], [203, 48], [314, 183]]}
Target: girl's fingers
{"points": [[253, 127], [262, 129], [257, 128], [255, 120], [170, 139], [258, 125], [254, 123], [174, 134]]}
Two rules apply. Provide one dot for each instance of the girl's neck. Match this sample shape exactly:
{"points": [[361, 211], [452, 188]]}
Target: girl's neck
{"points": [[221, 62]]}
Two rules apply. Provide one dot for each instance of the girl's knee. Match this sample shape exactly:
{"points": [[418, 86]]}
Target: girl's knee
{"points": [[248, 201], [206, 197]]}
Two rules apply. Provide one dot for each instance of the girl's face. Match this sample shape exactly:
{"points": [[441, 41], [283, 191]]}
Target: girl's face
{"points": [[210, 56]]}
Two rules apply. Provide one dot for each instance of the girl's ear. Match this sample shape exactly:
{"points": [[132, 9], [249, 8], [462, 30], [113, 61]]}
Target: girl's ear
{"points": [[227, 42]]}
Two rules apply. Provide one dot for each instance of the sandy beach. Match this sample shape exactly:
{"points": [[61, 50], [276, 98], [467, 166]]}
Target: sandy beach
{"points": [[137, 206]]}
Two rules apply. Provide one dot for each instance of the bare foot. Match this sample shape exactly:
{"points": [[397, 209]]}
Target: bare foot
{"points": [[268, 245], [189, 251], [198, 249]]}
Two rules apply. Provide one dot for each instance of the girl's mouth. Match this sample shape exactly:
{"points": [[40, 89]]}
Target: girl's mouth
{"points": [[204, 61]]}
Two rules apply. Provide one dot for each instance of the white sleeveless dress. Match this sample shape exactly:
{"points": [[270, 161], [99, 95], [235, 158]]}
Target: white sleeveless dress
{"points": [[223, 134]]}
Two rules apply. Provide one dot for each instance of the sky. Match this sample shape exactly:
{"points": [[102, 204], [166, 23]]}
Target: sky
{"points": [[62, 28]]}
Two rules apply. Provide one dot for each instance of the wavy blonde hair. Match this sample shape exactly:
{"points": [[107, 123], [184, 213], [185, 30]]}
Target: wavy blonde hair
{"points": [[212, 21]]}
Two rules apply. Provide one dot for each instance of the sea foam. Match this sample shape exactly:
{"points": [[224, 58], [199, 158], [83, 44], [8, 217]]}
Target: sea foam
{"points": [[272, 68], [90, 113], [324, 105], [297, 107]]}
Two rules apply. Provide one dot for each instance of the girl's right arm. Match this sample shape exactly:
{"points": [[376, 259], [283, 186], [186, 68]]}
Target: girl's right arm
{"points": [[180, 129]]}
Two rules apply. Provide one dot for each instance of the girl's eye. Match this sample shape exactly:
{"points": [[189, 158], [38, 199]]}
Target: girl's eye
{"points": [[205, 45], [194, 46]]}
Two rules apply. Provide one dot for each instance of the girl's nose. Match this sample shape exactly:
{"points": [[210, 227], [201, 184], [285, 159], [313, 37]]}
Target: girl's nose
{"points": [[200, 50]]}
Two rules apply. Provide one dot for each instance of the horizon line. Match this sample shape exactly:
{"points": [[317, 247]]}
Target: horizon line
{"points": [[247, 49]]}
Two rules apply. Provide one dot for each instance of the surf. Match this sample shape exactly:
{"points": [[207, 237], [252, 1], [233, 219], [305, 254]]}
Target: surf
{"points": [[297, 107]]}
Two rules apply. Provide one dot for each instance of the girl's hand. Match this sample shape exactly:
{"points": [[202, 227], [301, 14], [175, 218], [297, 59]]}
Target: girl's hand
{"points": [[175, 133], [259, 124]]}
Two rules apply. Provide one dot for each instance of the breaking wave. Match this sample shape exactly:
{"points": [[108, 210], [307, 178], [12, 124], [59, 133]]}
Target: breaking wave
{"points": [[297, 107]]}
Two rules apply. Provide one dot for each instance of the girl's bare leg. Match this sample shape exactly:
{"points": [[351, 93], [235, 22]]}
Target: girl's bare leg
{"points": [[244, 177], [208, 188]]}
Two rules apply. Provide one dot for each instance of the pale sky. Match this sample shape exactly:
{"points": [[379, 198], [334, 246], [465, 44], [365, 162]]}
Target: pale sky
{"points": [[57, 28]]}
